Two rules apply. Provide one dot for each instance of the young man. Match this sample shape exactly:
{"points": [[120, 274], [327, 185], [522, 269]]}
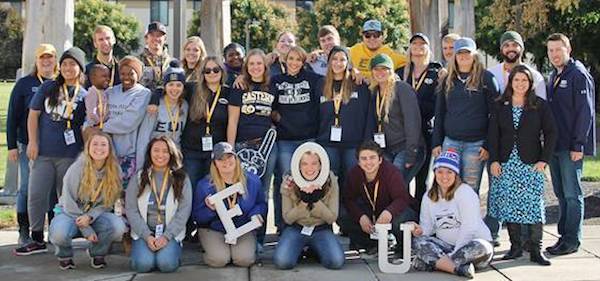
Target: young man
{"points": [[328, 38], [571, 95], [104, 41], [512, 50], [375, 192], [372, 45], [155, 56]]}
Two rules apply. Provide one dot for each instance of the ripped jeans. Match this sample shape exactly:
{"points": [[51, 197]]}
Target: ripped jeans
{"points": [[471, 168], [428, 250]]}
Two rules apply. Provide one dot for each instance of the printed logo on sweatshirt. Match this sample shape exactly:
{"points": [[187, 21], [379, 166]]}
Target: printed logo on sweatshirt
{"points": [[167, 127], [563, 84], [59, 112], [295, 93], [447, 219], [257, 102]]}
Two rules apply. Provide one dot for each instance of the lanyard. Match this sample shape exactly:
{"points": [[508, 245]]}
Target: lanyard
{"points": [[173, 119], [164, 65], [101, 107], [70, 102], [211, 110], [163, 189], [372, 201], [337, 104], [111, 65], [282, 68], [95, 195], [556, 80], [379, 110], [39, 77], [417, 86]]}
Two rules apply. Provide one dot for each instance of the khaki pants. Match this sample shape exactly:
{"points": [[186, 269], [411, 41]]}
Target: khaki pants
{"points": [[219, 254]]}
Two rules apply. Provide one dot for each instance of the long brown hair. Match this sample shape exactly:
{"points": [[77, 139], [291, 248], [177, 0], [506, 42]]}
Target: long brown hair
{"points": [[53, 93], [435, 192], [475, 75], [110, 183], [264, 85], [347, 83], [174, 167], [530, 97], [202, 94]]}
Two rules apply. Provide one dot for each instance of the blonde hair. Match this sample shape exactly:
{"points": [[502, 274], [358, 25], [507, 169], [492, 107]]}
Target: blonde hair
{"points": [[299, 51], [347, 83], [473, 81], [201, 96], [388, 92], [407, 68], [279, 35], [103, 28], [110, 183], [193, 40], [238, 175], [435, 192], [264, 85]]}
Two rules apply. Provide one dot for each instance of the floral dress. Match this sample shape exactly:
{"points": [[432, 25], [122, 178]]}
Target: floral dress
{"points": [[517, 195]]}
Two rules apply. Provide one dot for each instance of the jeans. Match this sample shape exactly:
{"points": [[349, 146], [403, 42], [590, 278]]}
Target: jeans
{"points": [[145, 260], [23, 178], [341, 160], [322, 241], [108, 228], [196, 168], [399, 160], [566, 182], [471, 168], [360, 239]]}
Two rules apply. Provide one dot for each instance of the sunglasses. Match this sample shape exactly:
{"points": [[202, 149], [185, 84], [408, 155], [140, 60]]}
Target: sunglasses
{"points": [[370, 35], [208, 70]]}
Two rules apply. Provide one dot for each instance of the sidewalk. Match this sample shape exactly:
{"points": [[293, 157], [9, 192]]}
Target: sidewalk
{"points": [[584, 265]]}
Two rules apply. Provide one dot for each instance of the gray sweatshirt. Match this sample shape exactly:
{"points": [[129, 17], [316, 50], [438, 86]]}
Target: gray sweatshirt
{"points": [[143, 225], [403, 127], [159, 124], [125, 114], [69, 201]]}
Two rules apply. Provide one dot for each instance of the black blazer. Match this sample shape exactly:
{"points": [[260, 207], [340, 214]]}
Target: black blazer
{"points": [[533, 124]]}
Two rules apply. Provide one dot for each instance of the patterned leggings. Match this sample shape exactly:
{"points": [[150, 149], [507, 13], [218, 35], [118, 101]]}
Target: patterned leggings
{"points": [[428, 250]]}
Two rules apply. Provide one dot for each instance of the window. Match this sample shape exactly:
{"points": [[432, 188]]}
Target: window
{"points": [[196, 4], [159, 11], [451, 14]]}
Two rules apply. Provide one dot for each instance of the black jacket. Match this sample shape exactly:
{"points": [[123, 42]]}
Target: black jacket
{"points": [[533, 124]]}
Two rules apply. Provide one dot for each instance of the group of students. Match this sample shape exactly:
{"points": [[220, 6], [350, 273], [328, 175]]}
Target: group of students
{"points": [[353, 126]]}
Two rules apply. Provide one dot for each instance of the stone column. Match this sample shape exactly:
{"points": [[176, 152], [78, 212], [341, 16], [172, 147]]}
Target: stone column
{"points": [[427, 17], [464, 20], [215, 28], [179, 27]]}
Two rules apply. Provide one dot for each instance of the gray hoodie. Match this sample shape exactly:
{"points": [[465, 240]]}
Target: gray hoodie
{"points": [[125, 114], [69, 201], [159, 124]]}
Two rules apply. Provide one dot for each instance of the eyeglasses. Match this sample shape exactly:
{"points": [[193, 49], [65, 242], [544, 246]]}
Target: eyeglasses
{"points": [[370, 35], [208, 70]]}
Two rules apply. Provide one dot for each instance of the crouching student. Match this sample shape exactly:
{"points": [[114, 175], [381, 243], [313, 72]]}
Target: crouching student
{"points": [[451, 236], [225, 171], [375, 193], [90, 188], [158, 204], [310, 206]]}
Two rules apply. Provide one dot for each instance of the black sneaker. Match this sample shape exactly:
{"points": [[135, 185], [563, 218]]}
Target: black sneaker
{"points": [[30, 249], [66, 264], [98, 262]]}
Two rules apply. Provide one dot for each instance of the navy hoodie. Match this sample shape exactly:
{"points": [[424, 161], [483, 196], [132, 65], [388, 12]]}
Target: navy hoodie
{"points": [[297, 100], [18, 110], [571, 98], [255, 106], [352, 118]]}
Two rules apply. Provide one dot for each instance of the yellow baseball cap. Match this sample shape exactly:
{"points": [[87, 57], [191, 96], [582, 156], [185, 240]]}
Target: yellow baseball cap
{"points": [[44, 49]]}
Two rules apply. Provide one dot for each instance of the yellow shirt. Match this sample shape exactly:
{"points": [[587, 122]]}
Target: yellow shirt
{"points": [[360, 56]]}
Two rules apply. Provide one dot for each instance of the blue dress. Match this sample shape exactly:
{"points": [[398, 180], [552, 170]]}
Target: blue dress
{"points": [[517, 195]]}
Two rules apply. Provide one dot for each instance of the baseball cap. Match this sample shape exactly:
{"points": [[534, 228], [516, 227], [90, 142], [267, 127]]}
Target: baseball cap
{"points": [[372, 25], [220, 149], [45, 49], [156, 26], [465, 43], [419, 35]]}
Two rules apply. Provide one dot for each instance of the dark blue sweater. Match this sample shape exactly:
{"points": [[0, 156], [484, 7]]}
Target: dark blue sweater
{"points": [[18, 110], [462, 114], [297, 100], [353, 118], [572, 103]]}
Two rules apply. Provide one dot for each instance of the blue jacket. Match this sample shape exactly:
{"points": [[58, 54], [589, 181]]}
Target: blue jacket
{"points": [[252, 203], [571, 98], [18, 110]]}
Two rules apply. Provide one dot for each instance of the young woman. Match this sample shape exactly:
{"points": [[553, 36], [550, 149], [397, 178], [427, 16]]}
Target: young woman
{"points": [[295, 112], [451, 236], [309, 210], [225, 170], [519, 157], [462, 109], [343, 113], [397, 120], [423, 75], [126, 107], [194, 53], [90, 188], [159, 202], [233, 55], [277, 64], [45, 68], [172, 112], [56, 114]]}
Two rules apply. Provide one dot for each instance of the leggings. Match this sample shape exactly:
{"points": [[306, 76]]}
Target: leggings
{"points": [[428, 250]]}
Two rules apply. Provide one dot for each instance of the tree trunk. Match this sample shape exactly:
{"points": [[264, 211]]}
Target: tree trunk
{"points": [[464, 20], [47, 21], [428, 17], [215, 25]]}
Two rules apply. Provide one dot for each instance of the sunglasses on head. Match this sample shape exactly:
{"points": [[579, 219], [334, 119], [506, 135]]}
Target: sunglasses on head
{"points": [[208, 70], [369, 35]]}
